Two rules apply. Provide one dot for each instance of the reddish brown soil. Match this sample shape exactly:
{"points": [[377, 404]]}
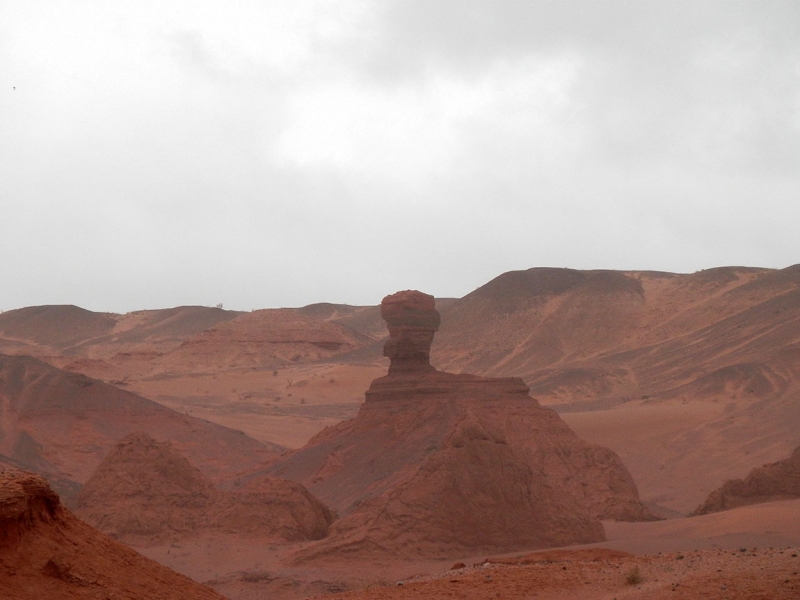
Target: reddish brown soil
{"points": [[242, 570], [767, 574]]}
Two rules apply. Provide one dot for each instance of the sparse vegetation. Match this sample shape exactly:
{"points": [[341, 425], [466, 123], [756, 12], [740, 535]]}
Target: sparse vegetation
{"points": [[257, 576], [634, 576]]}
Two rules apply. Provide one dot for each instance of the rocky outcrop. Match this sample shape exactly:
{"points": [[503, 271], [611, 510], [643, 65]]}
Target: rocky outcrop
{"points": [[46, 552], [144, 491], [412, 320], [775, 481], [437, 464]]}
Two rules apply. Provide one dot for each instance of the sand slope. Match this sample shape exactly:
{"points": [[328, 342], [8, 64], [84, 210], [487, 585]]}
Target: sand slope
{"points": [[62, 424]]}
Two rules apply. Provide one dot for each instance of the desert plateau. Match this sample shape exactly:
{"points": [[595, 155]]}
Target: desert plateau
{"points": [[555, 433]]}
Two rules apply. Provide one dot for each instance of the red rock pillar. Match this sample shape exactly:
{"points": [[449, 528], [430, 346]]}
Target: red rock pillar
{"points": [[412, 319]]}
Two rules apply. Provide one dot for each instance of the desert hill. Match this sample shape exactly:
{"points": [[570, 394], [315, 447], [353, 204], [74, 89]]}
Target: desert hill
{"points": [[46, 552], [594, 334], [775, 481], [436, 463], [145, 492], [62, 424], [61, 327], [58, 331], [363, 319], [691, 379], [264, 339], [185, 338], [250, 371]]}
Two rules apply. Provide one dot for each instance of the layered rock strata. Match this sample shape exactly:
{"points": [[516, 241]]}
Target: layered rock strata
{"points": [[437, 464]]}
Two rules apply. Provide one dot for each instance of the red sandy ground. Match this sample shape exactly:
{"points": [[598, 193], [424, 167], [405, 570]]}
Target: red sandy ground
{"points": [[244, 568], [768, 574]]}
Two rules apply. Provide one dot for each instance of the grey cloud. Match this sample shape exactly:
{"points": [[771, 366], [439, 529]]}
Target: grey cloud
{"points": [[653, 135], [659, 81]]}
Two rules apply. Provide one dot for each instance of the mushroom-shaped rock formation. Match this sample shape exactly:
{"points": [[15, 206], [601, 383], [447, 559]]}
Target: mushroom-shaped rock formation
{"points": [[412, 319], [442, 465]]}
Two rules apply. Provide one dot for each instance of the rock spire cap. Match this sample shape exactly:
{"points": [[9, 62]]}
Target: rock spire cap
{"points": [[412, 319]]}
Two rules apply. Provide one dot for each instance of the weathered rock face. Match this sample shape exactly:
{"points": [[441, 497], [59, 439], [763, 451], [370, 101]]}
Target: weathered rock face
{"points": [[46, 552], [144, 491], [412, 319], [775, 481], [437, 464], [25, 498]]}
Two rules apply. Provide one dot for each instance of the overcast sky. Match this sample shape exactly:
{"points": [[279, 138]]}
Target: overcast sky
{"points": [[264, 154]]}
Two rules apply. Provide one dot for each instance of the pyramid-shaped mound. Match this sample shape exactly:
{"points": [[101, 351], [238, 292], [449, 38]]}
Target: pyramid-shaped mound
{"points": [[437, 463], [144, 491], [46, 552]]}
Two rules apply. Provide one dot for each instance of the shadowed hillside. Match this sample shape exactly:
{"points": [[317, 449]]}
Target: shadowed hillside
{"points": [[62, 424]]}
